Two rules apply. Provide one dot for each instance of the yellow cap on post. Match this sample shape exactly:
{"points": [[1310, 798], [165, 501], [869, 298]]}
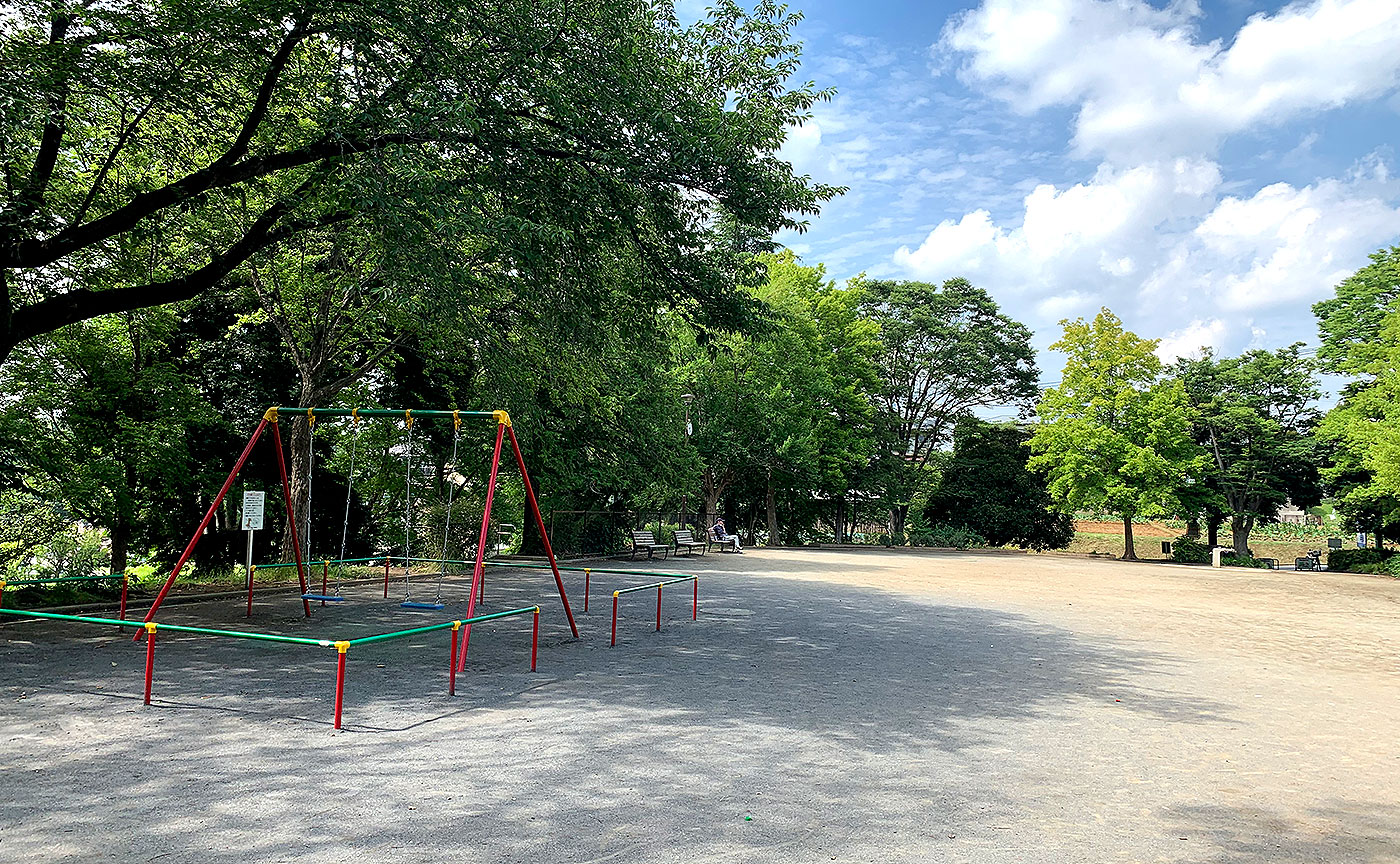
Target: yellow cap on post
{"points": [[342, 647], [270, 415], [502, 417], [150, 626]]}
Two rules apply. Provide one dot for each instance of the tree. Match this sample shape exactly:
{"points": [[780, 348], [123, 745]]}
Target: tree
{"points": [[150, 150], [1113, 436], [987, 488], [1351, 322], [945, 350], [1254, 415]]}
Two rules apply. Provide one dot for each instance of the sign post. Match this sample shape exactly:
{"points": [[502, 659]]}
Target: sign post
{"points": [[252, 521]]}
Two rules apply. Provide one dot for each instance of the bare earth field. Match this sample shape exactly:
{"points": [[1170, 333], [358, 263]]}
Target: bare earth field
{"points": [[827, 706]]}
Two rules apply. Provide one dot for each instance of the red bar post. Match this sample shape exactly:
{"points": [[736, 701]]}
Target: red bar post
{"points": [[695, 601], [386, 577], [291, 516], [614, 627], [125, 583], [452, 661], [539, 522], [252, 571], [150, 657], [587, 577], [341, 648], [199, 532], [325, 575], [658, 608], [535, 639], [479, 570]]}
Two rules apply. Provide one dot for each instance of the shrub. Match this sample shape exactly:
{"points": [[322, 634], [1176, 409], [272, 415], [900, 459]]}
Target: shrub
{"points": [[1349, 560], [951, 537], [1188, 551], [1229, 560]]}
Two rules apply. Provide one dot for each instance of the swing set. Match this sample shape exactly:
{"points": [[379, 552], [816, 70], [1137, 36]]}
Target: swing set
{"points": [[504, 429]]}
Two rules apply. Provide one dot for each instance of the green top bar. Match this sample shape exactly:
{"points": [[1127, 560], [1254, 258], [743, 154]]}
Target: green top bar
{"points": [[111, 622], [655, 585], [238, 634], [63, 579], [377, 412], [364, 640]]}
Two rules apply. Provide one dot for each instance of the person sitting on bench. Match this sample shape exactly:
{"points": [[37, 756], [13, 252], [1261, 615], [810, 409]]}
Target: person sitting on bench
{"points": [[723, 539]]}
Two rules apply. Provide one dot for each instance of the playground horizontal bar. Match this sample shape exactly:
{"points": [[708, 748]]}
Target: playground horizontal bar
{"points": [[364, 640], [84, 619], [490, 563], [654, 585], [379, 412], [179, 628], [12, 583]]}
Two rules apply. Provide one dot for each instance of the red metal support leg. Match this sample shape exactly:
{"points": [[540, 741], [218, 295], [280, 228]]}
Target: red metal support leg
{"points": [[452, 661], [658, 608], [544, 535], [150, 630], [199, 532], [126, 581], [252, 572], [341, 648], [587, 577], [291, 517], [695, 601], [614, 626], [325, 576], [386, 577], [480, 569], [535, 640]]}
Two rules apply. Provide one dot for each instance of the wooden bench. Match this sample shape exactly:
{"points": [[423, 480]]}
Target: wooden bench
{"points": [[685, 539], [646, 541], [722, 545]]}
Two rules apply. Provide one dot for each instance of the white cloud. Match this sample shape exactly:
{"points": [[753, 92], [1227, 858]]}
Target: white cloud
{"points": [[1160, 244], [1189, 340], [1146, 87]]}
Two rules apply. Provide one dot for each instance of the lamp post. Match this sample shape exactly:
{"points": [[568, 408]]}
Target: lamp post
{"points": [[687, 398]]}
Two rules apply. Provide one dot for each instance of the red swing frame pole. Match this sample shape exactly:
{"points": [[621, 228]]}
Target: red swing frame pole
{"points": [[544, 535], [291, 516], [208, 517], [481, 541]]}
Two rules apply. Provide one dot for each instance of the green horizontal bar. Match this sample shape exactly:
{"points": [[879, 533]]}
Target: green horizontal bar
{"points": [[655, 585], [494, 563], [238, 634], [378, 412], [110, 622], [62, 579], [364, 640]]}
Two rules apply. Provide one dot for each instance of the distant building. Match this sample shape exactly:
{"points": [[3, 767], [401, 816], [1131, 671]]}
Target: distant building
{"points": [[1291, 515]]}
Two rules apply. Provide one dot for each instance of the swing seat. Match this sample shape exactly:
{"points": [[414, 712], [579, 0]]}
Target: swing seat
{"points": [[410, 604], [329, 598]]}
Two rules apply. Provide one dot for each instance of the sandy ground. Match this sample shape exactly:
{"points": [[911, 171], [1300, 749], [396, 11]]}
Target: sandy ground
{"points": [[827, 706]]}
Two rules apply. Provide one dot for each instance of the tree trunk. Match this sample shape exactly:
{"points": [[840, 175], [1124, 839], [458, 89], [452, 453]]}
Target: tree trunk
{"points": [[297, 435], [1213, 531], [839, 520], [710, 490], [121, 544], [1240, 527], [898, 514], [1129, 551], [770, 506], [1193, 528]]}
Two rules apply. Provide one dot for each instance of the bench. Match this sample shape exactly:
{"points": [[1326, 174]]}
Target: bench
{"points": [[722, 545], [646, 541], [685, 539]]}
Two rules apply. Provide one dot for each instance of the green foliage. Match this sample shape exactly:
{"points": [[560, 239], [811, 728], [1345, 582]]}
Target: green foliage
{"points": [[1188, 551], [944, 350], [987, 488], [1351, 322], [1359, 560], [1113, 436], [943, 536], [1236, 560]]}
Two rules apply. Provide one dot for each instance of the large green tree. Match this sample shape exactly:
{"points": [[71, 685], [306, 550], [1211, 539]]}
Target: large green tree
{"points": [[150, 148], [1113, 435], [1254, 416], [945, 350]]}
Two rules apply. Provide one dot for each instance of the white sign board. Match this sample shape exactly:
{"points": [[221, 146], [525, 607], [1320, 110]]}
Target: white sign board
{"points": [[253, 511]]}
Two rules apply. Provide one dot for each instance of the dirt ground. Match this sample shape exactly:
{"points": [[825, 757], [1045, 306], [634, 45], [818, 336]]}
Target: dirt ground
{"points": [[1140, 529], [828, 705]]}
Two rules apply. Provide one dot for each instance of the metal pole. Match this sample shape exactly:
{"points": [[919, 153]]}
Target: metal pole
{"points": [[150, 657], [325, 576], [126, 580], [539, 522], [695, 601], [249, 612], [614, 624], [341, 648], [248, 564], [452, 661], [587, 577], [658, 608], [480, 569], [535, 639], [291, 517], [199, 532], [386, 576]]}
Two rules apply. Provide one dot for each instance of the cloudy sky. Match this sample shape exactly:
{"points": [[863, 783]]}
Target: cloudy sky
{"points": [[1206, 170]]}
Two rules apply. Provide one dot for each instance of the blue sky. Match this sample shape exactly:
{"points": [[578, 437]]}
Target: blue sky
{"points": [[1206, 170]]}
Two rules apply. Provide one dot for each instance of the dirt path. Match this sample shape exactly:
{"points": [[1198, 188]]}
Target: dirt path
{"points": [[827, 706]]}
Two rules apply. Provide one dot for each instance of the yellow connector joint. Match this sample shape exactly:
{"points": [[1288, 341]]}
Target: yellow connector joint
{"points": [[150, 626], [270, 415], [342, 646], [456, 625], [502, 417], [616, 594]]}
